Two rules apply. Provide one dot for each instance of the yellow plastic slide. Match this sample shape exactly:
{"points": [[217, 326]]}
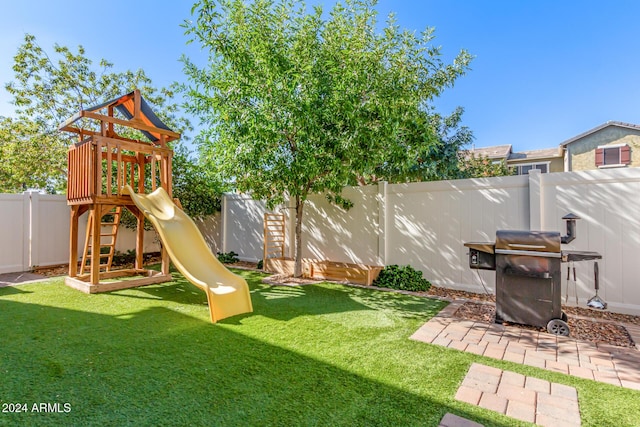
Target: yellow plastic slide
{"points": [[227, 293]]}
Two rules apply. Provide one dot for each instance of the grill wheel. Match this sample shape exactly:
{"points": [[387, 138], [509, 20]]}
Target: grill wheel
{"points": [[558, 327]]}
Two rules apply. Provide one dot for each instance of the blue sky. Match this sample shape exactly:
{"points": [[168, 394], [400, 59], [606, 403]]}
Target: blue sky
{"points": [[544, 71]]}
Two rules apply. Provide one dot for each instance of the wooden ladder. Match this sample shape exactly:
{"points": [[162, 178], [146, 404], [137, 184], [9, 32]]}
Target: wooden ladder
{"points": [[110, 233], [274, 236]]}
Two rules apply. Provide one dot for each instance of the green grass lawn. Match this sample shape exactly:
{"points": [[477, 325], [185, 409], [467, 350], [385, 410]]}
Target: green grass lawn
{"points": [[319, 355]]}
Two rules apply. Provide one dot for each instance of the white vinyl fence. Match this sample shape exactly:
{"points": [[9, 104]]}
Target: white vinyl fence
{"points": [[420, 224], [241, 226], [14, 234], [34, 232], [426, 224]]}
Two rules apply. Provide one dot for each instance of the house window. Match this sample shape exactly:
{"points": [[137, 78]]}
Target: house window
{"points": [[525, 168], [613, 155]]}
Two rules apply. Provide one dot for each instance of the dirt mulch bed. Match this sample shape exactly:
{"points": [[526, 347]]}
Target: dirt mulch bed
{"points": [[53, 271], [569, 310], [286, 280], [602, 315], [63, 269], [454, 294], [243, 265], [154, 258], [602, 331]]}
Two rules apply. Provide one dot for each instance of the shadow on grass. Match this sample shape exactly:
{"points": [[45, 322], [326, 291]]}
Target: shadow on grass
{"points": [[159, 367], [289, 302], [10, 289]]}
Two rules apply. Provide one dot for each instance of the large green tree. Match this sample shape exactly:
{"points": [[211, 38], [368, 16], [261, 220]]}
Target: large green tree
{"points": [[449, 157], [299, 103], [29, 158], [48, 88], [434, 161]]}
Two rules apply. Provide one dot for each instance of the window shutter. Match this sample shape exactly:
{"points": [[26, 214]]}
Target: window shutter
{"points": [[599, 156], [625, 155]]}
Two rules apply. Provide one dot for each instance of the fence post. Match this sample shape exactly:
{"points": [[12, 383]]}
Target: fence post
{"points": [[223, 218], [291, 226], [34, 209], [535, 200], [26, 231], [382, 223]]}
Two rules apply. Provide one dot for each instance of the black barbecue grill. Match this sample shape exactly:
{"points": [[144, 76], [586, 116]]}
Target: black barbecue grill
{"points": [[528, 274]]}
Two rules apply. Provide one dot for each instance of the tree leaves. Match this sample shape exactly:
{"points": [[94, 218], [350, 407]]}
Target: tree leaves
{"points": [[293, 95], [299, 103], [30, 158], [49, 88]]}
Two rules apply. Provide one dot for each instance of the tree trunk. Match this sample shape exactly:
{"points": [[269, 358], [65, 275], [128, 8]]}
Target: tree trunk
{"points": [[297, 269]]}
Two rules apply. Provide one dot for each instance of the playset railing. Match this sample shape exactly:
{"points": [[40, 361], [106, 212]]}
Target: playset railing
{"points": [[100, 166]]}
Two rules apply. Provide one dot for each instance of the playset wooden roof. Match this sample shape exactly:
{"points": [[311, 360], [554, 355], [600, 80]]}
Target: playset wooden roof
{"points": [[138, 115]]}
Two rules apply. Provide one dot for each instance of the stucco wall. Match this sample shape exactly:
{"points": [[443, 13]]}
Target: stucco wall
{"points": [[583, 151]]}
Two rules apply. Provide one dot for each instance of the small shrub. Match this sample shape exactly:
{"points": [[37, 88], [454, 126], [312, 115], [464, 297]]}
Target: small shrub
{"points": [[260, 265], [152, 257], [404, 278], [120, 258], [228, 257]]}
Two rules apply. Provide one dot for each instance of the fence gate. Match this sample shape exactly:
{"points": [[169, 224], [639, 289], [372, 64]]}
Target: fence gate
{"points": [[33, 231], [14, 232]]}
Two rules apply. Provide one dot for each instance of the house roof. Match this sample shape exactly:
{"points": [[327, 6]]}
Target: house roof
{"points": [[494, 152], [599, 128], [505, 152], [544, 153]]}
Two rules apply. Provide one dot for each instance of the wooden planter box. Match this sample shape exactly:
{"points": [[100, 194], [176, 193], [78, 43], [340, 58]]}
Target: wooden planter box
{"points": [[361, 274], [326, 270]]}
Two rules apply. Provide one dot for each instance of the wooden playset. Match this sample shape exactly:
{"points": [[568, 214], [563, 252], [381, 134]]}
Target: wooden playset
{"points": [[106, 157]]}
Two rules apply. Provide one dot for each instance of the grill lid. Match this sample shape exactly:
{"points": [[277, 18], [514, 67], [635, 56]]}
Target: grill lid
{"points": [[487, 247], [528, 241]]}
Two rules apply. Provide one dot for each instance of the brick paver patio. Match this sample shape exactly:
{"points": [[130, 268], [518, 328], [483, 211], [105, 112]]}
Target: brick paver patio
{"points": [[524, 398], [451, 420], [600, 362], [515, 395]]}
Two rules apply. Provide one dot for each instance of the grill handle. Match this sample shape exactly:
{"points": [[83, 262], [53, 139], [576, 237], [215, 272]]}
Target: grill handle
{"points": [[529, 253], [524, 246]]}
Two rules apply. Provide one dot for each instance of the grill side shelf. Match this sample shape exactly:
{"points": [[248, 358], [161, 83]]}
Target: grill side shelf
{"points": [[569, 255]]}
